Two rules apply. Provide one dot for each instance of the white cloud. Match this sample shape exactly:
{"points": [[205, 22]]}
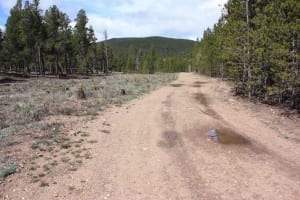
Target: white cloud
{"points": [[7, 4], [175, 18], [137, 18]]}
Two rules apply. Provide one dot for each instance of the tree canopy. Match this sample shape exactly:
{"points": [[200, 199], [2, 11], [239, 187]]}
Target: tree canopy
{"points": [[256, 45], [37, 42]]}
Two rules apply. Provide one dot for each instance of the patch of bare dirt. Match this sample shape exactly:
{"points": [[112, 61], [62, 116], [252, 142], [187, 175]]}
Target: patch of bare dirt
{"points": [[157, 147]]}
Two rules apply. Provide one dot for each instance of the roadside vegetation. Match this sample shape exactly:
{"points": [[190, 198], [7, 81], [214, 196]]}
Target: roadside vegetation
{"points": [[255, 44], [35, 134]]}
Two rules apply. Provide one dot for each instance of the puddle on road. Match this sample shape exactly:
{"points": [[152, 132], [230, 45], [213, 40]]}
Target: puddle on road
{"points": [[213, 114], [199, 82], [226, 136], [201, 97], [176, 85], [196, 85]]}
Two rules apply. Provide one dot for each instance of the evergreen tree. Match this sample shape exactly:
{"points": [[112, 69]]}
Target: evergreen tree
{"points": [[14, 44], [255, 45], [81, 42], [53, 46], [152, 61], [92, 50]]}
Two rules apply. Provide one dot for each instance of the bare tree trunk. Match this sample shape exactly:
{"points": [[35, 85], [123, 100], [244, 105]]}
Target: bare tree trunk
{"points": [[56, 65], [248, 52], [295, 86], [40, 61], [106, 53]]}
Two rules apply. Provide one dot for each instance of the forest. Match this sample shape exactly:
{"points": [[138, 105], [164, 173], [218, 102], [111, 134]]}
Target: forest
{"points": [[45, 43], [151, 54], [255, 44]]}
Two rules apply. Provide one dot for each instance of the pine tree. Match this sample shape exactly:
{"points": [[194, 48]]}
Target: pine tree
{"points": [[14, 43], [152, 61], [53, 45], [92, 50], [255, 44], [81, 42], [65, 43]]}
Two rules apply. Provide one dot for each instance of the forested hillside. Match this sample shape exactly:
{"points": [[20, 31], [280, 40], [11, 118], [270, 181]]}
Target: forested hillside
{"points": [[255, 44], [162, 45], [151, 54]]}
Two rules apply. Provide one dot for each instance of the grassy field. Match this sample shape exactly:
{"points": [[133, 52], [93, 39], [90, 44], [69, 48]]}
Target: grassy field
{"points": [[34, 135]]}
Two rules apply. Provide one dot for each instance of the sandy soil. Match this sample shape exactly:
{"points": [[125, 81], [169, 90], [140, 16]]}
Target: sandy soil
{"points": [[156, 147]]}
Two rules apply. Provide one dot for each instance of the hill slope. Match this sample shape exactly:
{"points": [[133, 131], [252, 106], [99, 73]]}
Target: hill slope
{"points": [[162, 46]]}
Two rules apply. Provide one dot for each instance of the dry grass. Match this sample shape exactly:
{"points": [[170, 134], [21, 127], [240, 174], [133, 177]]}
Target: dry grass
{"points": [[32, 100], [26, 106]]}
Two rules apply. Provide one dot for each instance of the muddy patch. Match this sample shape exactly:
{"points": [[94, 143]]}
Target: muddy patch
{"points": [[200, 82], [213, 114], [168, 119], [167, 103], [226, 136], [196, 85], [176, 85], [170, 139], [105, 131], [201, 98]]}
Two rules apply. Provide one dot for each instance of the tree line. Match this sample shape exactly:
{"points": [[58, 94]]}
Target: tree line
{"points": [[137, 60], [37, 42], [255, 44], [45, 43]]}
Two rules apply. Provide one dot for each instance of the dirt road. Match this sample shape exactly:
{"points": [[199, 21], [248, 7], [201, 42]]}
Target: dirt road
{"points": [[156, 147]]}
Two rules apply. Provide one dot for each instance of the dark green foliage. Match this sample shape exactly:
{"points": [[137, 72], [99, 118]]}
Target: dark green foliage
{"points": [[3, 124], [256, 45], [37, 43], [7, 171], [162, 46], [44, 43], [151, 54]]}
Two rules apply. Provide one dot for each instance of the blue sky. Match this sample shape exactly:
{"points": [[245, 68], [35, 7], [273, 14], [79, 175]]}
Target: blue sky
{"points": [[138, 18]]}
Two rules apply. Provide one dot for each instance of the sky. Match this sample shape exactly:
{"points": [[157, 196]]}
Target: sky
{"points": [[137, 18]]}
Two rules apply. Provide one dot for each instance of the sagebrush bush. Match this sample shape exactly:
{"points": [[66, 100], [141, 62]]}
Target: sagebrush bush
{"points": [[3, 124]]}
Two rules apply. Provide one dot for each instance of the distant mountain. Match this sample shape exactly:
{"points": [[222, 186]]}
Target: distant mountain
{"points": [[163, 46]]}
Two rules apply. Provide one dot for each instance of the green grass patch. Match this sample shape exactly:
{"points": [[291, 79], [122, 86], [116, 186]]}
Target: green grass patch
{"points": [[34, 145], [84, 134], [6, 171]]}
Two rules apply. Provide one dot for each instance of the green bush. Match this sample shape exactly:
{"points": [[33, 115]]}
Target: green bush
{"points": [[3, 124], [4, 172]]}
